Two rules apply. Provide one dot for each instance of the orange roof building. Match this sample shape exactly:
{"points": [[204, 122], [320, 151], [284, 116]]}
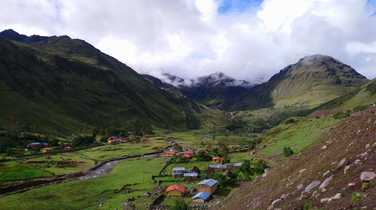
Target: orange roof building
{"points": [[176, 190], [218, 159]]}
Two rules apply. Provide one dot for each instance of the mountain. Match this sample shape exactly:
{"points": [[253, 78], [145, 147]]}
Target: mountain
{"points": [[217, 79], [63, 85], [312, 81], [214, 90]]}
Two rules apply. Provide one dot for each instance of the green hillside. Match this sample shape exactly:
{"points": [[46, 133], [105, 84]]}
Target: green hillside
{"points": [[357, 100], [63, 85]]}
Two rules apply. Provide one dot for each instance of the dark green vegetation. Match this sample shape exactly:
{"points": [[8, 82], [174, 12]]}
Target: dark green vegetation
{"points": [[63, 85]]}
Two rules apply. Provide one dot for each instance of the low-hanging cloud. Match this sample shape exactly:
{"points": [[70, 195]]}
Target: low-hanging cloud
{"points": [[193, 37]]}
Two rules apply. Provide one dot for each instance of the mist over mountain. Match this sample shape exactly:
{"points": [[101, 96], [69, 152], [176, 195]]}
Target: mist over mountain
{"points": [[311, 81]]}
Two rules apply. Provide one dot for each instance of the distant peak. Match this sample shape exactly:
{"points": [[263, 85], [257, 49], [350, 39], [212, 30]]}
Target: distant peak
{"points": [[9, 31], [311, 59], [12, 35]]}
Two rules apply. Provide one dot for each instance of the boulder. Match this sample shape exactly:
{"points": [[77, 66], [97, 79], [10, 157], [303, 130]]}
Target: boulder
{"points": [[346, 169], [312, 186], [341, 163], [325, 183], [367, 176]]}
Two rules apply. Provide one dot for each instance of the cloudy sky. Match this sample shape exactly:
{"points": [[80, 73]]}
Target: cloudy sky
{"points": [[243, 38]]}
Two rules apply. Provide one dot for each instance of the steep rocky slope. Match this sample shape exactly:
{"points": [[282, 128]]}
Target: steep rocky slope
{"points": [[324, 176]]}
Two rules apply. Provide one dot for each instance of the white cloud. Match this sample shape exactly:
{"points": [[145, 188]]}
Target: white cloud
{"points": [[190, 38]]}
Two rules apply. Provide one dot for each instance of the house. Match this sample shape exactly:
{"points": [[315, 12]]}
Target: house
{"points": [[116, 140], [67, 148], [190, 176], [207, 185], [218, 159], [213, 168], [178, 172], [176, 190], [234, 165], [37, 145], [238, 165], [201, 197]]}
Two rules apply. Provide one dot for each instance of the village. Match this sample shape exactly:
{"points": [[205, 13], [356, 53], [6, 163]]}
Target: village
{"points": [[194, 175], [197, 175]]}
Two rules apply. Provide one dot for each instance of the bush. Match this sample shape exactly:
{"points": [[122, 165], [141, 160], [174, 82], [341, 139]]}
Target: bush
{"points": [[291, 121], [258, 166], [341, 115], [361, 108], [307, 206], [356, 198], [287, 151], [180, 204]]}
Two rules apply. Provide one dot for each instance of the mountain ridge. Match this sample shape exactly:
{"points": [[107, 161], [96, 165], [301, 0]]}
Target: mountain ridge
{"points": [[79, 86]]}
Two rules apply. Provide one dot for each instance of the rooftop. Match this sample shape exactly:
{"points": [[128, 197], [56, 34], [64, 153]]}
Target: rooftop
{"points": [[209, 182], [201, 195], [176, 187]]}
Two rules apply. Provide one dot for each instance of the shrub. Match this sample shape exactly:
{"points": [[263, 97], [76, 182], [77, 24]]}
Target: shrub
{"points": [[287, 151], [361, 108], [180, 204], [257, 166], [341, 115], [356, 198], [291, 121], [307, 206]]}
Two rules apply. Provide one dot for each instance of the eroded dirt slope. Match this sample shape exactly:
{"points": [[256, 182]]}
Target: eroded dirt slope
{"points": [[325, 176]]}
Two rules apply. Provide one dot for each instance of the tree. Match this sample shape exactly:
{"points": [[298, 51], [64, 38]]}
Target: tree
{"points": [[222, 180], [258, 166], [202, 155], [245, 171]]}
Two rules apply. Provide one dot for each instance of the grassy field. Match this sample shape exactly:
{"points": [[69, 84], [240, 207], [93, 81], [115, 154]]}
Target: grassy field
{"points": [[195, 138], [297, 135], [64, 163], [99, 193]]}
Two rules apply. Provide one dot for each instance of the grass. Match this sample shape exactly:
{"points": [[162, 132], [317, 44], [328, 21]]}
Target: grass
{"points": [[12, 170], [195, 138], [44, 166], [298, 135], [100, 193]]}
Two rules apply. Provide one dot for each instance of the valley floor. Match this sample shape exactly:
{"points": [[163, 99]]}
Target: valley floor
{"points": [[123, 181]]}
